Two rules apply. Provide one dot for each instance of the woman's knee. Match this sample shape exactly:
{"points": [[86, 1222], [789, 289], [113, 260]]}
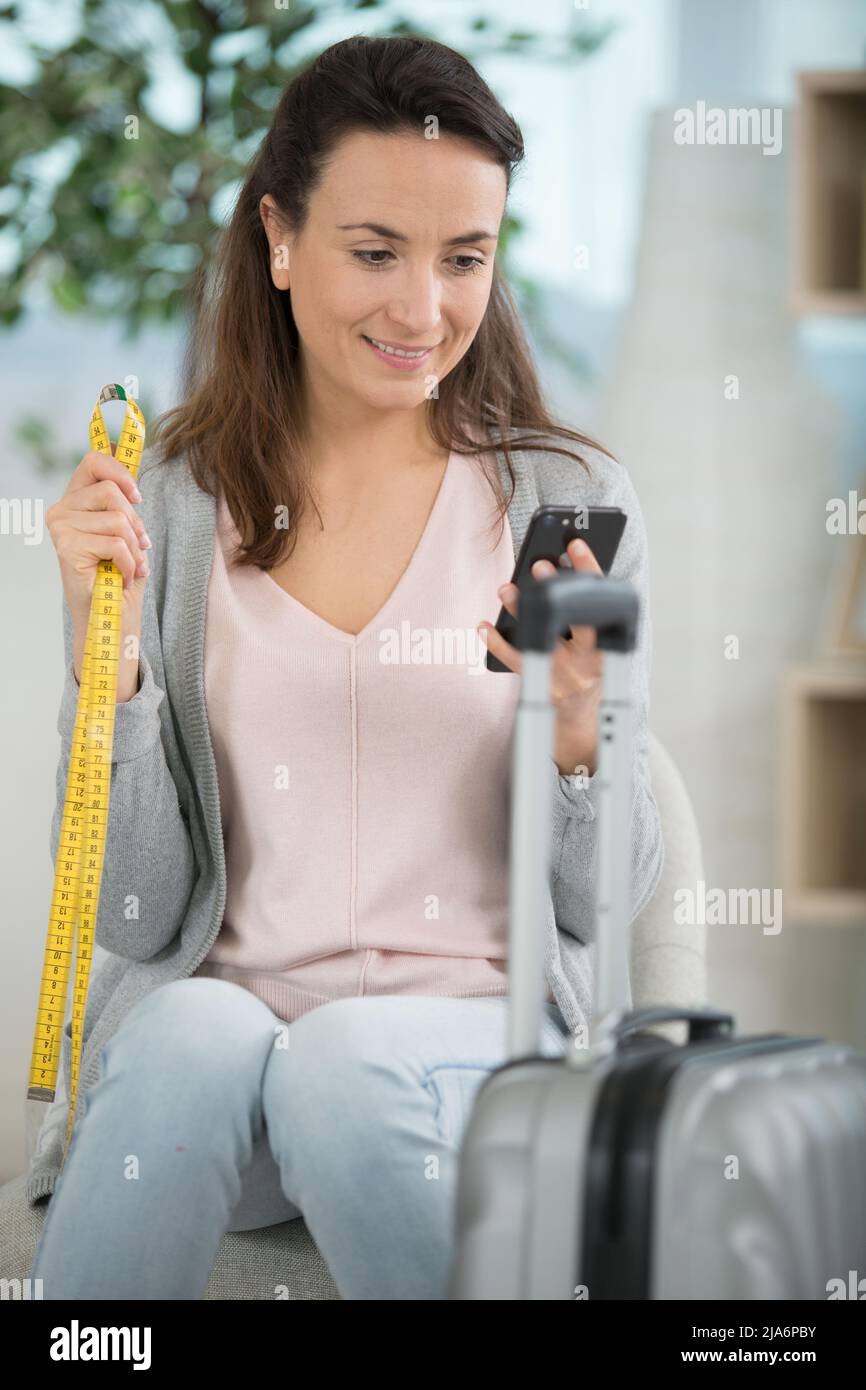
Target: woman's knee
{"points": [[355, 1028], [203, 1024], [332, 1053], [335, 1071]]}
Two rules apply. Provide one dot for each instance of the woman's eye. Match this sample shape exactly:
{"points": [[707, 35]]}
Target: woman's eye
{"points": [[373, 265], [474, 263]]}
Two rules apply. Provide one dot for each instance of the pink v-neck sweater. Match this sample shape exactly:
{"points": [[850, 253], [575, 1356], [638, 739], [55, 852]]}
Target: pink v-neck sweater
{"points": [[364, 778]]}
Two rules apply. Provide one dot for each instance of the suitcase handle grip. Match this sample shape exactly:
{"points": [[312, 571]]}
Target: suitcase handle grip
{"points": [[577, 600], [703, 1023]]}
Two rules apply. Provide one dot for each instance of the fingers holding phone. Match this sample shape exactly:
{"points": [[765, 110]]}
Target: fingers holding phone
{"points": [[588, 536], [583, 561]]}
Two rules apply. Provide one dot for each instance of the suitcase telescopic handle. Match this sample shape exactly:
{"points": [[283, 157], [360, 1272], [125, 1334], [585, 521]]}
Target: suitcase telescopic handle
{"points": [[704, 1024], [545, 607], [577, 600]]}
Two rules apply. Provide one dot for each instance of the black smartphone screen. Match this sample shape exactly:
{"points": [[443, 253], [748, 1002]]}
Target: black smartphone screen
{"points": [[549, 531]]}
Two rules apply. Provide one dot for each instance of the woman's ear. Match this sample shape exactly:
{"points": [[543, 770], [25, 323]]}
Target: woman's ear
{"points": [[279, 246]]}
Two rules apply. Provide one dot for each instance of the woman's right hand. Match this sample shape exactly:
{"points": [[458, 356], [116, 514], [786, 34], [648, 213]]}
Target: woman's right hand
{"points": [[95, 520]]}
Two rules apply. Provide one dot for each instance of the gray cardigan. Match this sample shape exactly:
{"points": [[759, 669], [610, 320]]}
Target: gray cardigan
{"points": [[164, 850]]}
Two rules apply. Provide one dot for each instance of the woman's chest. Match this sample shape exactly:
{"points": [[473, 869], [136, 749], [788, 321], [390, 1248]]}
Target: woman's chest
{"points": [[350, 557], [434, 561], [346, 575]]}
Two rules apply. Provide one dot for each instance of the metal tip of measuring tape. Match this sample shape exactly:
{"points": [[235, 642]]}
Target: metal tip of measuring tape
{"points": [[112, 392]]}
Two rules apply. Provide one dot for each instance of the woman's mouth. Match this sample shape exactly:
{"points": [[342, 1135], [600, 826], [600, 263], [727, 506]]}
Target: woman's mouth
{"points": [[404, 359]]}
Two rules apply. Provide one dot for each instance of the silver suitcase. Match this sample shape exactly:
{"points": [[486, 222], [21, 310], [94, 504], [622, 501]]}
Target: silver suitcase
{"points": [[633, 1167]]}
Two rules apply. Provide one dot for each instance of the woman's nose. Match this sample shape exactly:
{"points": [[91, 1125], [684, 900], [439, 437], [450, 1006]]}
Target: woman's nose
{"points": [[416, 303]]}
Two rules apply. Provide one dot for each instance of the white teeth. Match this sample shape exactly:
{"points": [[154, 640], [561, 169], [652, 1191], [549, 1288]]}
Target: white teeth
{"points": [[398, 352]]}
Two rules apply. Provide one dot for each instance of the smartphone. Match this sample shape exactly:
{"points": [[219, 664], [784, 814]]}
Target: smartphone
{"points": [[549, 531]]}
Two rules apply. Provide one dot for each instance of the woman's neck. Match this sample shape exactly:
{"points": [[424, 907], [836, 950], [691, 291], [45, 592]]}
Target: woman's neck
{"points": [[359, 463], [364, 443]]}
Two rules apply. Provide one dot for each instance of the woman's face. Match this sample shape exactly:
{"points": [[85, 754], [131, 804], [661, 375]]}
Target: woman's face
{"points": [[419, 277]]}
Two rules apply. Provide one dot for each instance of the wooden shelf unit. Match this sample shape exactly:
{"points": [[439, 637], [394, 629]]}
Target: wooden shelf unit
{"points": [[829, 262], [823, 793]]}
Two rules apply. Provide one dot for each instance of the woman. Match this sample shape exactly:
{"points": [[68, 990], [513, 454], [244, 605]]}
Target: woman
{"points": [[305, 883]]}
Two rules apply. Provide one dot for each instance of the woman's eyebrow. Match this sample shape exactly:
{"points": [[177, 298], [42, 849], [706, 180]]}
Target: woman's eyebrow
{"points": [[398, 236]]}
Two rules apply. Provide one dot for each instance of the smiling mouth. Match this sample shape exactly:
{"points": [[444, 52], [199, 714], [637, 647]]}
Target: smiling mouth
{"points": [[405, 354]]}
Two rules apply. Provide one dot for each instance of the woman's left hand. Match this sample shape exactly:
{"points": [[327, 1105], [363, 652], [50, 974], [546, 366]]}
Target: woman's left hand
{"points": [[576, 671]]}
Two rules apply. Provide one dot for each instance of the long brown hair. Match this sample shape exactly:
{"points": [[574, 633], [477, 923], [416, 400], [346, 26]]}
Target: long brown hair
{"points": [[241, 424]]}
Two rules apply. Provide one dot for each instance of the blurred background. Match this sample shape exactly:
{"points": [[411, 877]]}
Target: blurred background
{"points": [[699, 306]]}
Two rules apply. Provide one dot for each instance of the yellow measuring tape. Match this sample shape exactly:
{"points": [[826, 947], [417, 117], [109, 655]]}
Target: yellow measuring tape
{"points": [[83, 830]]}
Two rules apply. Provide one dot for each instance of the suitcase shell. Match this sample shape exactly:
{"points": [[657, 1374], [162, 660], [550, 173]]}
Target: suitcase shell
{"points": [[635, 1168]]}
